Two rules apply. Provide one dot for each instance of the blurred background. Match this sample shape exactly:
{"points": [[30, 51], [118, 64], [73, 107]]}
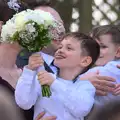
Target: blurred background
{"points": [[84, 14]]}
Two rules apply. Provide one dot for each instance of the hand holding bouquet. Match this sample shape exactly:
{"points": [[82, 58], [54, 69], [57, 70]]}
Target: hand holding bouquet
{"points": [[33, 30]]}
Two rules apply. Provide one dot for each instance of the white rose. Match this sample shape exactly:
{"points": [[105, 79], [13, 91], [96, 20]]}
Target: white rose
{"points": [[46, 16]]}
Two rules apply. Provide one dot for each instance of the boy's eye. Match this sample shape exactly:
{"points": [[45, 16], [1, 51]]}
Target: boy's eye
{"points": [[59, 47], [103, 46], [69, 48]]}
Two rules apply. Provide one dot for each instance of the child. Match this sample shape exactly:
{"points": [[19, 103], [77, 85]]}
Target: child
{"points": [[71, 99], [108, 37]]}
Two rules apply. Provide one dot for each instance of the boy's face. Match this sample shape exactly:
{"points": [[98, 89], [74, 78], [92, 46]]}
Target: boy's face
{"points": [[69, 54], [107, 50]]}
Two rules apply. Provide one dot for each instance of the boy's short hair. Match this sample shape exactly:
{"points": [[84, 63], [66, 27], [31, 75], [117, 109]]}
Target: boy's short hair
{"points": [[107, 29], [93, 31], [88, 44]]}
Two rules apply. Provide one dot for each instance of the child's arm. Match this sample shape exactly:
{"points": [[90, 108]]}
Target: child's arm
{"points": [[28, 88], [77, 99]]}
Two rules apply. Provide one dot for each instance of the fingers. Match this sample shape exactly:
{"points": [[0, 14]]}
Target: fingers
{"points": [[40, 115], [106, 78], [45, 78], [43, 81], [42, 77], [35, 57], [36, 54], [97, 72], [103, 83], [35, 61], [42, 73], [101, 93], [118, 66], [117, 86], [106, 83], [103, 87], [117, 90], [50, 118]]}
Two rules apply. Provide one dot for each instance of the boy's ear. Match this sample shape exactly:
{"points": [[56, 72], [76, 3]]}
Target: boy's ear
{"points": [[86, 61], [118, 52]]}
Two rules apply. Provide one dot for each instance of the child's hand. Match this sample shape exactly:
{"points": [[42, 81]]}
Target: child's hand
{"points": [[40, 117], [35, 61], [118, 66], [45, 78], [117, 90]]}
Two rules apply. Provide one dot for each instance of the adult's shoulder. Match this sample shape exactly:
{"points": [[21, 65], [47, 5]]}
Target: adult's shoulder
{"points": [[7, 101], [6, 84], [8, 108]]}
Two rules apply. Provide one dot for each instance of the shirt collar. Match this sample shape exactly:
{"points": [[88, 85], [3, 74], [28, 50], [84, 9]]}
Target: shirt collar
{"points": [[47, 58]]}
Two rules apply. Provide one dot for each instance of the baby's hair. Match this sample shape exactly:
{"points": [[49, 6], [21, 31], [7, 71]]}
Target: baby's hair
{"points": [[88, 44]]}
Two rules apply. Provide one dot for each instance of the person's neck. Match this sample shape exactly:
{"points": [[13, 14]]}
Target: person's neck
{"points": [[69, 73], [8, 57]]}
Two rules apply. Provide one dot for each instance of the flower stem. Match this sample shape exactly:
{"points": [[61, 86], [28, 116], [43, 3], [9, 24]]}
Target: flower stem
{"points": [[46, 91]]}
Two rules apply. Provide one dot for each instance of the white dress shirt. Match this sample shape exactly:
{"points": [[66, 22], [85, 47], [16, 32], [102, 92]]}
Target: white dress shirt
{"points": [[69, 101], [111, 70], [49, 59]]}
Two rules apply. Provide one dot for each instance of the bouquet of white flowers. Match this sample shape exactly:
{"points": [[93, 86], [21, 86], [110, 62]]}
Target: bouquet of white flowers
{"points": [[32, 29]]}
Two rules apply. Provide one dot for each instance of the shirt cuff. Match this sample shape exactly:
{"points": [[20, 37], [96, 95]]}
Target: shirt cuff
{"points": [[28, 73]]}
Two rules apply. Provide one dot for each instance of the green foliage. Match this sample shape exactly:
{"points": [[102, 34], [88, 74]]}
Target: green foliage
{"points": [[42, 39]]}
